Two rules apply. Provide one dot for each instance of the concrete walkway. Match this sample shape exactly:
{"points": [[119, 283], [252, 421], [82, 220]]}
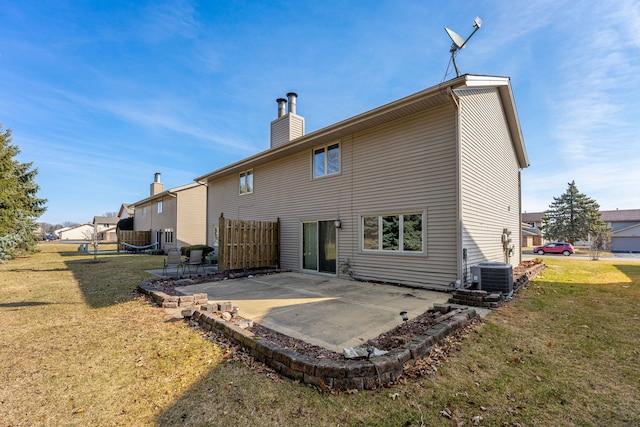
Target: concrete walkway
{"points": [[324, 311]]}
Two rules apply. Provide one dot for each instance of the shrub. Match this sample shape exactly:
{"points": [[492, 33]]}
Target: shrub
{"points": [[186, 250]]}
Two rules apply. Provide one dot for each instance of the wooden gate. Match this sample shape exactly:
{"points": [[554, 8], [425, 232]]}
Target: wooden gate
{"points": [[245, 245]]}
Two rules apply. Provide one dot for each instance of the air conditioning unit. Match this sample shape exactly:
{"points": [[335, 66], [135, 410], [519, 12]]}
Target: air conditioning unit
{"points": [[493, 277]]}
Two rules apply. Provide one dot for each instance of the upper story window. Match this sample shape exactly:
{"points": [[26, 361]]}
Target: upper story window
{"points": [[395, 233], [326, 160], [160, 206], [144, 211], [246, 182]]}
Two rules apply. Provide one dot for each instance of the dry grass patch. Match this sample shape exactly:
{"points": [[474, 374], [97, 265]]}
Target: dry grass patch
{"points": [[80, 348]]}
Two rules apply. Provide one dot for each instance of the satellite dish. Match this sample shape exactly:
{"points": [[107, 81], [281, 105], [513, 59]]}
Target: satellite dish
{"points": [[456, 38], [459, 42]]}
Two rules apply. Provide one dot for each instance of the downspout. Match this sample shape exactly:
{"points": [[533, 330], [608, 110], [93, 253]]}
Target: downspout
{"points": [[206, 216], [175, 231], [459, 261], [520, 216]]}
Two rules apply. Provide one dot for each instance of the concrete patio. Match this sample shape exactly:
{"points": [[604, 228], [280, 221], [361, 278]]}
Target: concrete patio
{"points": [[325, 311]]}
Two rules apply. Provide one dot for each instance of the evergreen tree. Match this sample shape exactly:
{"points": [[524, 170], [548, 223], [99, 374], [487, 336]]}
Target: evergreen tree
{"points": [[572, 217], [19, 203]]}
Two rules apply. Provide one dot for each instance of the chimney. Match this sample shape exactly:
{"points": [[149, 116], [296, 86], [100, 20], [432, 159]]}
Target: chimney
{"points": [[288, 126], [281, 106], [156, 186], [292, 96]]}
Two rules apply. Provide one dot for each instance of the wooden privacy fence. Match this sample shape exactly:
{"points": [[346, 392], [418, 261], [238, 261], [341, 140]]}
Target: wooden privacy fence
{"points": [[136, 238], [248, 244]]}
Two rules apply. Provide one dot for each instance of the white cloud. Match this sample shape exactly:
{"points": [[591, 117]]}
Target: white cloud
{"points": [[594, 120]]}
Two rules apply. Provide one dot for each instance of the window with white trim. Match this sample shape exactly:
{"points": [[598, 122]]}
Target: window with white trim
{"points": [[168, 235], [326, 160], [160, 206], [246, 182], [144, 212], [393, 233]]}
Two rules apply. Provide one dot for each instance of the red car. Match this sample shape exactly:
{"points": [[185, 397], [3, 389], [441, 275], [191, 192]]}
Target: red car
{"points": [[554, 248]]}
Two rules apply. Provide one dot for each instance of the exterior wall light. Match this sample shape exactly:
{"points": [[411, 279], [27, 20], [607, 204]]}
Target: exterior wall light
{"points": [[337, 223]]}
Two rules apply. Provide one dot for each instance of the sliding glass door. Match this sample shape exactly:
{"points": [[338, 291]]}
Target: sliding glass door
{"points": [[319, 246]]}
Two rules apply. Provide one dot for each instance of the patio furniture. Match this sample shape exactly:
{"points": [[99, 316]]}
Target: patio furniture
{"points": [[173, 260], [195, 259]]}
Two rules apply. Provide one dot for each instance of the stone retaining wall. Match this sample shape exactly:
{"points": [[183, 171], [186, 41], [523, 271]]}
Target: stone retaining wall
{"points": [[479, 298], [171, 301], [337, 374], [325, 374]]}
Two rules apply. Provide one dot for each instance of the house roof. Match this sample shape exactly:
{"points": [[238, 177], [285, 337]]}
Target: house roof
{"points": [[125, 207], [532, 216], [434, 96], [621, 215], [105, 219], [62, 230], [618, 215], [627, 231], [170, 192]]}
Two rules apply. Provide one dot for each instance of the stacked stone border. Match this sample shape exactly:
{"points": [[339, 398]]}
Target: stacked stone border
{"points": [[347, 374], [479, 298], [172, 301]]}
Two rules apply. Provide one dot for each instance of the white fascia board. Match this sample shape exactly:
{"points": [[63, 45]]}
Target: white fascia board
{"points": [[478, 81]]}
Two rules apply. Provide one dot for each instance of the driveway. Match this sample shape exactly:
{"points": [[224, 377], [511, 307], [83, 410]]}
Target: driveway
{"points": [[325, 311]]}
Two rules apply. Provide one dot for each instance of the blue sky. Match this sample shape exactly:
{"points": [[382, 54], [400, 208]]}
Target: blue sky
{"points": [[100, 95]]}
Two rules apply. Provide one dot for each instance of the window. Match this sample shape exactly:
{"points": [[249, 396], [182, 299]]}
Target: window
{"points": [[394, 233], [160, 206], [144, 212], [246, 182], [168, 235], [326, 160]]}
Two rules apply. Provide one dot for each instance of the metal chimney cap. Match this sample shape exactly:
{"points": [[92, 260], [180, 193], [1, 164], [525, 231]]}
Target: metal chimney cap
{"points": [[279, 100], [291, 94]]}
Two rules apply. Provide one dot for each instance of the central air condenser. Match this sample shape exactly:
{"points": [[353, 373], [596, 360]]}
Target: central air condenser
{"points": [[493, 277]]}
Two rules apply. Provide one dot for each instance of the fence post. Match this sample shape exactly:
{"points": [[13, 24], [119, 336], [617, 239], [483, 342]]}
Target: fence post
{"points": [[221, 243], [277, 243]]}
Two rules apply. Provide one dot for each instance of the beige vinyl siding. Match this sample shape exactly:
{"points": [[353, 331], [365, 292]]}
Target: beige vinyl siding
{"points": [[142, 223], [490, 186], [407, 165], [286, 128], [184, 212], [190, 224]]}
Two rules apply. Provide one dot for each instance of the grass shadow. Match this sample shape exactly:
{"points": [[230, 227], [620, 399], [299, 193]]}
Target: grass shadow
{"points": [[24, 304], [632, 271], [111, 279]]}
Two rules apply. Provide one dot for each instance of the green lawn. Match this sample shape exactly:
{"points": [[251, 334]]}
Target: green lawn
{"points": [[79, 347]]}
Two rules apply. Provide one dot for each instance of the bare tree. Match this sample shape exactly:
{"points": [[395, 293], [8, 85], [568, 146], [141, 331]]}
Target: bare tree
{"points": [[94, 240]]}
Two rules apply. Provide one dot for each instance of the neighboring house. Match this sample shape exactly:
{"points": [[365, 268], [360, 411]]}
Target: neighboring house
{"points": [[77, 232], [60, 230], [106, 227], [126, 211], [413, 192], [624, 225], [175, 217], [531, 236]]}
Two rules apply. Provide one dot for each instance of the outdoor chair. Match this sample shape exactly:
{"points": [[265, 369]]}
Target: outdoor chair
{"points": [[195, 259], [173, 260]]}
